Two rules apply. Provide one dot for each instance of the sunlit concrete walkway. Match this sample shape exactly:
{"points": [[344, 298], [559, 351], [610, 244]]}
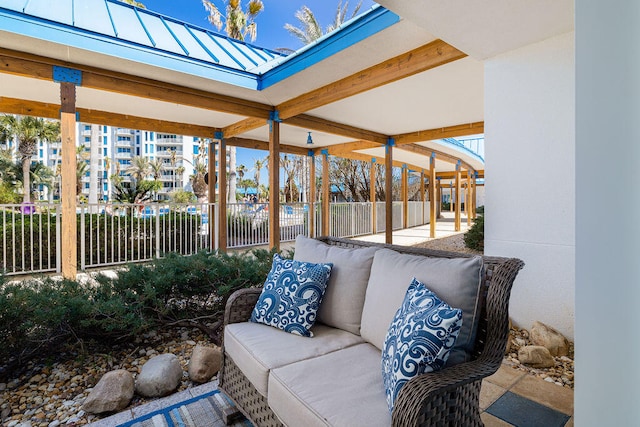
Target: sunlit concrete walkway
{"points": [[445, 227]]}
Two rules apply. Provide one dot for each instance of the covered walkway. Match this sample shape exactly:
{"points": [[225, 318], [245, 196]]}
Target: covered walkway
{"points": [[357, 93]]}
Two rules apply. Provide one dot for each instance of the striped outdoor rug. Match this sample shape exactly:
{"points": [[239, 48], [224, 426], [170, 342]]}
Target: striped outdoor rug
{"points": [[202, 411]]}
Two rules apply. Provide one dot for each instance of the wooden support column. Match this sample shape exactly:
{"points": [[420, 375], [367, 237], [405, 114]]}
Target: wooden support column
{"points": [[274, 183], [458, 198], [69, 227], [325, 193], [433, 197], [212, 181], [405, 196], [468, 206], [372, 197], [388, 191], [439, 198], [312, 194], [451, 197], [422, 196], [474, 195], [222, 194]]}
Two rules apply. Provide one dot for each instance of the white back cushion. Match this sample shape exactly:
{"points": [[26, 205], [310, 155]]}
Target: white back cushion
{"points": [[343, 299], [456, 281]]}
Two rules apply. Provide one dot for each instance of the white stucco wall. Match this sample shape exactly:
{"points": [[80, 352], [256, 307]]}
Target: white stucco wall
{"points": [[480, 195], [530, 184]]}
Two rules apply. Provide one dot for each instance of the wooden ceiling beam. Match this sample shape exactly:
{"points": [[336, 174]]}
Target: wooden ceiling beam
{"points": [[33, 66], [413, 62], [52, 111], [257, 144], [243, 126], [452, 174], [440, 133], [367, 158], [334, 128], [348, 147]]}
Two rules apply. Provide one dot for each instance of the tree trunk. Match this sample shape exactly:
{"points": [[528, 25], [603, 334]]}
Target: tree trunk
{"points": [[231, 196], [26, 179], [94, 162]]}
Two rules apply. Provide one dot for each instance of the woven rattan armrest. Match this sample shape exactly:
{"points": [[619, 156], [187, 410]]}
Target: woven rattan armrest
{"points": [[442, 398], [240, 305]]}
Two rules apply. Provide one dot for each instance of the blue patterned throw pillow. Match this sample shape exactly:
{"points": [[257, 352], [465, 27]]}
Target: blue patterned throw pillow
{"points": [[291, 295], [419, 338]]}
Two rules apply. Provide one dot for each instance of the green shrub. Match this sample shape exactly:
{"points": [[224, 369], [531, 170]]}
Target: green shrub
{"points": [[40, 316], [474, 238]]}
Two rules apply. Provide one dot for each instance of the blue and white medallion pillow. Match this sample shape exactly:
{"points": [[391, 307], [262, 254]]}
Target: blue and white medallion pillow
{"points": [[419, 338], [292, 295]]}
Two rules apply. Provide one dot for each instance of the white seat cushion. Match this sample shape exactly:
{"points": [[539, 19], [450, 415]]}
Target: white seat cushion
{"points": [[257, 348], [456, 281], [343, 300], [343, 388]]}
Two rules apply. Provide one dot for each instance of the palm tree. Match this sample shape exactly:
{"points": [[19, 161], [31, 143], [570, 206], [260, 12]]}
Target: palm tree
{"points": [[197, 180], [139, 168], [156, 167], [231, 195], [42, 175], [310, 30], [259, 164], [180, 171], [238, 23], [28, 131], [134, 3]]}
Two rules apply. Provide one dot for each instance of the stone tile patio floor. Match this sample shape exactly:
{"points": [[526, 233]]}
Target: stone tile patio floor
{"points": [[509, 397]]}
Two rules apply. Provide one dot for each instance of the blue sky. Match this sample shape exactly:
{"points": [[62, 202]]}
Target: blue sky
{"points": [[271, 34], [276, 13]]}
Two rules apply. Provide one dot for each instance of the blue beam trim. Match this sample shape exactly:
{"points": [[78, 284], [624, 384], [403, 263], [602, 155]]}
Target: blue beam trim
{"points": [[310, 153], [275, 116], [226, 51], [113, 24], [184, 49], [218, 135], [373, 160], [205, 48], [67, 75], [144, 27], [325, 152]]}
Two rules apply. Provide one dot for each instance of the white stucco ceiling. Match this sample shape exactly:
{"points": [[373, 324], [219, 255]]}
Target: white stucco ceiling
{"points": [[487, 28]]}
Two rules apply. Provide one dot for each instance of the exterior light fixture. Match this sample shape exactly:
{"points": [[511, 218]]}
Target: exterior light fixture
{"points": [[309, 139]]}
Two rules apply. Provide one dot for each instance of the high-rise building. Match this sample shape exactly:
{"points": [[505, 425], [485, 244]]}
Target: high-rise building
{"points": [[180, 156]]}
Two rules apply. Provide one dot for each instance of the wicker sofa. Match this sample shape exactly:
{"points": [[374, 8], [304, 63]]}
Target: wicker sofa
{"points": [[334, 378]]}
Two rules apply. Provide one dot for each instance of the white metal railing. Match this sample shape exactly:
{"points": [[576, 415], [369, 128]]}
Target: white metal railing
{"points": [[418, 213], [112, 234], [30, 239], [350, 219], [247, 224], [381, 216]]}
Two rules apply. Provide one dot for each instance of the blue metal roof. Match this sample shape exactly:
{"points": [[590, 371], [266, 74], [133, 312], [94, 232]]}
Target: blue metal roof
{"points": [[119, 25], [118, 29]]}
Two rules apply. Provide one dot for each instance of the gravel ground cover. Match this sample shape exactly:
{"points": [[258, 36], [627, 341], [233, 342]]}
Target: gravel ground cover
{"points": [[49, 391]]}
